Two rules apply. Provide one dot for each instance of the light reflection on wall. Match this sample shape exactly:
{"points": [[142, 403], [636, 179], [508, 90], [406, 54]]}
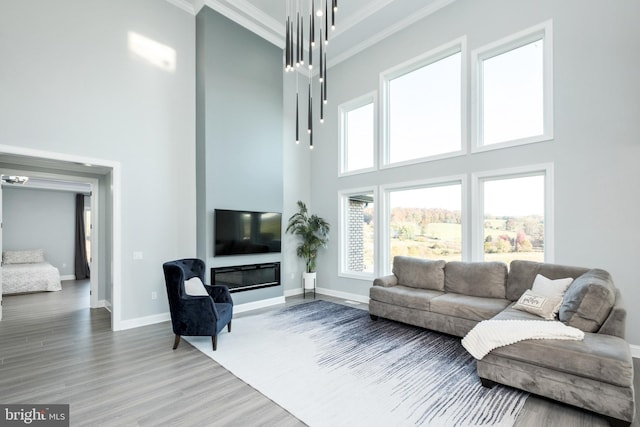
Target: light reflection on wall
{"points": [[154, 53]]}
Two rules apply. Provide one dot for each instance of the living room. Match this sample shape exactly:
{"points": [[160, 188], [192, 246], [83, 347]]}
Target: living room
{"points": [[74, 92]]}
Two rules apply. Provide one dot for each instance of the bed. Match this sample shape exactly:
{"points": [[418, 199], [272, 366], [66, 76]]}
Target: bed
{"points": [[28, 271]]}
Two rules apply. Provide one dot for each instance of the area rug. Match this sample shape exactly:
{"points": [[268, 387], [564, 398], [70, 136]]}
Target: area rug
{"points": [[331, 365]]}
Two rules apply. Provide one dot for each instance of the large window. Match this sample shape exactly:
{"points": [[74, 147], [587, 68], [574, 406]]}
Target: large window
{"points": [[423, 108], [357, 135], [357, 233], [514, 90], [425, 221], [514, 215]]}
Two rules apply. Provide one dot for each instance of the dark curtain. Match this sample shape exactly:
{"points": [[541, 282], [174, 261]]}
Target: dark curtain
{"points": [[82, 266]]}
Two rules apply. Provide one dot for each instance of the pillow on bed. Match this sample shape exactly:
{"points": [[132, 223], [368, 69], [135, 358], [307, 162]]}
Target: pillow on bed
{"points": [[23, 257]]}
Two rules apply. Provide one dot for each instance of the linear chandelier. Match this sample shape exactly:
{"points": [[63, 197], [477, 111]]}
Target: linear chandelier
{"points": [[294, 52]]}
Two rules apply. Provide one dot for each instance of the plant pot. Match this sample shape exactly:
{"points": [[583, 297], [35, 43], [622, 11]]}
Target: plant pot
{"points": [[309, 280]]}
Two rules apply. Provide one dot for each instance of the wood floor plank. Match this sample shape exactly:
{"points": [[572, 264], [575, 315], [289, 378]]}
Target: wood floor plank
{"points": [[54, 349]]}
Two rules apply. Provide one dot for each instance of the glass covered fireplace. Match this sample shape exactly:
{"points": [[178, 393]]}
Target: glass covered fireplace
{"points": [[247, 277]]}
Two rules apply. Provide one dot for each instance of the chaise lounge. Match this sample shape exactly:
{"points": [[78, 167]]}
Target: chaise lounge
{"points": [[595, 373]]}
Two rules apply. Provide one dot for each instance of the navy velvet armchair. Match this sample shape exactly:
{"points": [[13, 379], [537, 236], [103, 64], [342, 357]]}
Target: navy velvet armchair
{"points": [[191, 315]]}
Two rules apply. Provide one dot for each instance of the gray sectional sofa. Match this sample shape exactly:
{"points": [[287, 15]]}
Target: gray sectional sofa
{"points": [[595, 374]]}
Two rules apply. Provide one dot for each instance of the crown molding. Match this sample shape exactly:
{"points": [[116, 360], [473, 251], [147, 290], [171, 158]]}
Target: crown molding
{"points": [[363, 14], [268, 29], [184, 5], [401, 25]]}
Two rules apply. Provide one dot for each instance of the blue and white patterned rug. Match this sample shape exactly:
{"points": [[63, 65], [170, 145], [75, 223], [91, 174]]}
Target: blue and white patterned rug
{"points": [[331, 365]]}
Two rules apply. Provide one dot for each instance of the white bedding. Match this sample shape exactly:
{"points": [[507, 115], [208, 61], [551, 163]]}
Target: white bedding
{"points": [[36, 277]]}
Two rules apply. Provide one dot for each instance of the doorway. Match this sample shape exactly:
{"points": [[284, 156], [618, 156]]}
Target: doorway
{"points": [[104, 177]]}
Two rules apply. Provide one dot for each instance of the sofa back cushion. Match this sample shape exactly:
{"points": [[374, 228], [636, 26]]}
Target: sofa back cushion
{"points": [[523, 273], [419, 273], [588, 301], [478, 279]]}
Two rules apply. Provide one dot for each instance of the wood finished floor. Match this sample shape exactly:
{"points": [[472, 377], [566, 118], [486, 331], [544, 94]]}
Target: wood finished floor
{"points": [[54, 349]]}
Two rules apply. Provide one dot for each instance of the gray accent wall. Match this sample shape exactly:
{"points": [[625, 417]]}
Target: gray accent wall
{"points": [[239, 133], [40, 219], [596, 147]]}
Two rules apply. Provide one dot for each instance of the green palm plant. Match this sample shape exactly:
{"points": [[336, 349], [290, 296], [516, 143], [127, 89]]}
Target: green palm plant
{"points": [[313, 232]]}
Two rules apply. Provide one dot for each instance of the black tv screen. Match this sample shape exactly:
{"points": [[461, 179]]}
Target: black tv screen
{"points": [[246, 232]]}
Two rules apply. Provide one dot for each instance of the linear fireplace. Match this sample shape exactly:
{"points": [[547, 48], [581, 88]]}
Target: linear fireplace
{"points": [[247, 277]]}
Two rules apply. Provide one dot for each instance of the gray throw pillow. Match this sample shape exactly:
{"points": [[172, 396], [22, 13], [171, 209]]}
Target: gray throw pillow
{"points": [[419, 273], [588, 301]]}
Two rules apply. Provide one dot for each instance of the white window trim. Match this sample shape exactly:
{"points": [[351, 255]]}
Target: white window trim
{"points": [[343, 109], [434, 55], [517, 172], [544, 30], [342, 234], [384, 258]]}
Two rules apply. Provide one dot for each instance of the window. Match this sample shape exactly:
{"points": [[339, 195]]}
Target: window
{"points": [[358, 135], [514, 216], [425, 221], [423, 108], [357, 233], [514, 90]]}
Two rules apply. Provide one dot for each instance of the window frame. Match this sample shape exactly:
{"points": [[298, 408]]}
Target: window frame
{"points": [[343, 110], [478, 179], [458, 45], [384, 212], [542, 31], [343, 197]]}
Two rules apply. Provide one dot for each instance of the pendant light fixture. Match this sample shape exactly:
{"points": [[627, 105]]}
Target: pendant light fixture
{"points": [[294, 51]]}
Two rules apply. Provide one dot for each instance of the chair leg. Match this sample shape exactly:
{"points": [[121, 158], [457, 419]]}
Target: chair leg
{"points": [[214, 342], [176, 342], [229, 326]]}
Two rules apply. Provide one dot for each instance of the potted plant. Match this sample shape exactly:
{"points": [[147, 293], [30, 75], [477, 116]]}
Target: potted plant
{"points": [[314, 234]]}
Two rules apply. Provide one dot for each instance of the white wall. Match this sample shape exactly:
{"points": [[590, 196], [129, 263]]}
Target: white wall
{"points": [[597, 132], [40, 219], [71, 85]]}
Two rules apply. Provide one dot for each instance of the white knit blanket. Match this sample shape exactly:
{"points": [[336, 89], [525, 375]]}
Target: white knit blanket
{"points": [[490, 334]]}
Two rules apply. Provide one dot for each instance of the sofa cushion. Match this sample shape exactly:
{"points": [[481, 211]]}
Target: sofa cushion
{"points": [[523, 273], [419, 273], [599, 357], [544, 306], [588, 301], [404, 296], [468, 307], [479, 279]]}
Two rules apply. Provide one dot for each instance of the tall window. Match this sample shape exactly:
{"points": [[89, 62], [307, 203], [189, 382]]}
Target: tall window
{"points": [[514, 89], [514, 216], [423, 107], [357, 233], [358, 134], [426, 222]]}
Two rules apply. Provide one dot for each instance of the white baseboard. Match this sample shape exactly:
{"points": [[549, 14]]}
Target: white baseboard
{"points": [[144, 321], [241, 308], [635, 351], [68, 277], [293, 292], [330, 293], [103, 303], [344, 295]]}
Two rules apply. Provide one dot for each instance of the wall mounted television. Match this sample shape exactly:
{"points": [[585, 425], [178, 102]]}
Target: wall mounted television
{"points": [[246, 232]]}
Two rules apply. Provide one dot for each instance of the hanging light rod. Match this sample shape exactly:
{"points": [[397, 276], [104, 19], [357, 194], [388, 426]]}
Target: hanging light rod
{"points": [[295, 52]]}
